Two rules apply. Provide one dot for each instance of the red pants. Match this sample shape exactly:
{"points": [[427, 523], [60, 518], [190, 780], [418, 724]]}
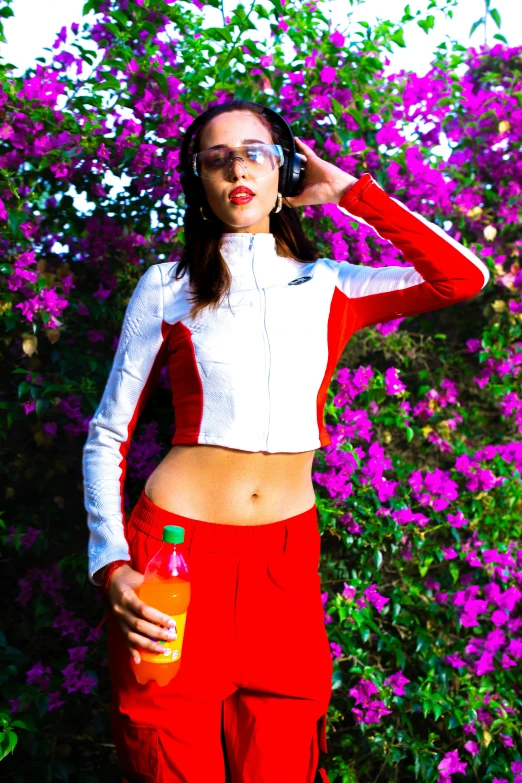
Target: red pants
{"points": [[249, 702]]}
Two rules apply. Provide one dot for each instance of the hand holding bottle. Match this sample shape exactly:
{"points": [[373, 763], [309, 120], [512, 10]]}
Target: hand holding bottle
{"points": [[140, 623]]}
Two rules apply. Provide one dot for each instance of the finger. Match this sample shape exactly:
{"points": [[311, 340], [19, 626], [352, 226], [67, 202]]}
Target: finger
{"points": [[141, 626], [303, 143], [131, 602], [156, 617], [138, 640]]}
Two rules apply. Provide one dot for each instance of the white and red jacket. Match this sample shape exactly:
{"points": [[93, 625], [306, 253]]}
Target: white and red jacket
{"points": [[254, 374]]}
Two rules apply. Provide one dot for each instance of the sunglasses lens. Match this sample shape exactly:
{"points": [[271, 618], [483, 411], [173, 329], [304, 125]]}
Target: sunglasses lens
{"points": [[257, 159]]}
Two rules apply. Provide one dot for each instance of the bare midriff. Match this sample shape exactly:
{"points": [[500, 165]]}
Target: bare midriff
{"points": [[218, 484]]}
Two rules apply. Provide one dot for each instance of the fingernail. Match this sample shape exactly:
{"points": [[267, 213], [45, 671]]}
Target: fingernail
{"points": [[136, 659], [171, 623]]}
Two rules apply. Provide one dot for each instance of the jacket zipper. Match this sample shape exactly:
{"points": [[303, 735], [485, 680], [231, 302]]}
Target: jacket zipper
{"points": [[267, 341]]}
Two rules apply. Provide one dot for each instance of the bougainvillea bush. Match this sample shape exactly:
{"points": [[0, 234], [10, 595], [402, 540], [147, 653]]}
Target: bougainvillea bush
{"points": [[419, 493]]}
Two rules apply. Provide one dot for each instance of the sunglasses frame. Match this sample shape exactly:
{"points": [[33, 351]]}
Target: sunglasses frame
{"points": [[279, 151]]}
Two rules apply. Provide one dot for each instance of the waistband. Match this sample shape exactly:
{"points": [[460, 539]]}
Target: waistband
{"points": [[217, 536]]}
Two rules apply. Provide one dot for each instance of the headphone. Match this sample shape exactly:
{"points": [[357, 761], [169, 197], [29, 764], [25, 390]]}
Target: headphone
{"points": [[291, 173]]}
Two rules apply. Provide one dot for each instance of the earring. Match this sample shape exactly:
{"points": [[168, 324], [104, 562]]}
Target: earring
{"points": [[203, 215], [279, 203]]}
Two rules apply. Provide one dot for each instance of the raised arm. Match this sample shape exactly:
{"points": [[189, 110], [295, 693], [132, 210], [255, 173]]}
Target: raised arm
{"points": [[134, 373], [444, 272]]}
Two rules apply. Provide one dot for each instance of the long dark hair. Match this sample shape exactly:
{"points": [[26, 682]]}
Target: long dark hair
{"points": [[209, 275]]}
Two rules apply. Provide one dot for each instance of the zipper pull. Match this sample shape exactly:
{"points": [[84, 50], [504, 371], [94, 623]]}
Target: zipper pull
{"points": [[251, 242]]}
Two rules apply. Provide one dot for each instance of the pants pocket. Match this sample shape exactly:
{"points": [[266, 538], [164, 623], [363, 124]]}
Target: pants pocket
{"points": [[137, 750], [296, 568]]}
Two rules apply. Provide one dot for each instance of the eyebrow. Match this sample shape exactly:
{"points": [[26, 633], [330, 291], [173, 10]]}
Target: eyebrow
{"points": [[245, 141]]}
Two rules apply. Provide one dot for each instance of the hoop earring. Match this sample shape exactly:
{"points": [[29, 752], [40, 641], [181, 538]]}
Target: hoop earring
{"points": [[203, 215], [279, 203]]}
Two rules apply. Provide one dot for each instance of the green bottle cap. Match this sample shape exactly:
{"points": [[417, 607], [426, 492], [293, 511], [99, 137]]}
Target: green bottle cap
{"points": [[173, 534]]}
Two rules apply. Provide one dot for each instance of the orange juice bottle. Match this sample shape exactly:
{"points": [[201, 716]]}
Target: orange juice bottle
{"points": [[166, 587]]}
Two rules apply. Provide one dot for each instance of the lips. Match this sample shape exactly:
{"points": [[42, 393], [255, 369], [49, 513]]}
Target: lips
{"points": [[240, 194]]}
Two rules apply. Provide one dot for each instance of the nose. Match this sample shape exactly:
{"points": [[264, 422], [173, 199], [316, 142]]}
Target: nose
{"points": [[237, 167]]}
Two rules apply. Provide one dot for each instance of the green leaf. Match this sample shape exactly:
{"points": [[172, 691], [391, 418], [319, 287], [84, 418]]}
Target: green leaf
{"points": [[427, 24], [91, 5], [454, 571], [7, 743], [495, 16], [6, 12], [407, 15], [122, 18], [500, 37], [23, 388], [337, 678], [150, 27], [15, 219], [475, 25], [398, 38], [261, 11], [218, 34], [162, 82], [110, 83], [27, 723]]}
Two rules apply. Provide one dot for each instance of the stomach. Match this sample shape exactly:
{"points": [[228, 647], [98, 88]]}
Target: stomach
{"points": [[219, 484]]}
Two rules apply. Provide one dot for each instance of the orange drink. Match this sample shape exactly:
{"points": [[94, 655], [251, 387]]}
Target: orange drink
{"points": [[166, 587]]}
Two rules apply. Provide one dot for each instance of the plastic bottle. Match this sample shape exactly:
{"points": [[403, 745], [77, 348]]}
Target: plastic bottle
{"points": [[166, 587]]}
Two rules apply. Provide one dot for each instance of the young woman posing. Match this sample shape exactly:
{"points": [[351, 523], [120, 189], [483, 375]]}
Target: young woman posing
{"points": [[249, 380]]}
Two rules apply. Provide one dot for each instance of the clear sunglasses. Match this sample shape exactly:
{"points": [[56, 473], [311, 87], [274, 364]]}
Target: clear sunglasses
{"points": [[257, 159]]}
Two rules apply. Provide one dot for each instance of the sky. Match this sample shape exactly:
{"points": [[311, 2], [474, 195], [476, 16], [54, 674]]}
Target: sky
{"points": [[36, 23]]}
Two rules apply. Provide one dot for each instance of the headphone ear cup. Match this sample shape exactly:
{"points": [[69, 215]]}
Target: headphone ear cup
{"points": [[283, 175], [292, 174]]}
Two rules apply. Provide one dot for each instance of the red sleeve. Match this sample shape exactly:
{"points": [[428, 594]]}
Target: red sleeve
{"points": [[444, 272]]}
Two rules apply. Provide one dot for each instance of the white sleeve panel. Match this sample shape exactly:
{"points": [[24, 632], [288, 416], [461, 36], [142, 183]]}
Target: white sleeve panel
{"points": [[128, 386]]}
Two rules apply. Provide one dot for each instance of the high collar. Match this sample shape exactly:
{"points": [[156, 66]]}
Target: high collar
{"points": [[235, 246], [253, 260]]}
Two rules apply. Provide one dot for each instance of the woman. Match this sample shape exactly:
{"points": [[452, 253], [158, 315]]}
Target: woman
{"points": [[249, 380]]}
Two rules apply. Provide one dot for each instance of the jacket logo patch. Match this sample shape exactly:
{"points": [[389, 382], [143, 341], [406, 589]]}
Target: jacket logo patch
{"points": [[300, 280]]}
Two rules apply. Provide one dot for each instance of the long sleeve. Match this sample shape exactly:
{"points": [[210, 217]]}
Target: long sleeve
{"points": [[444, 272], [133, 376]]}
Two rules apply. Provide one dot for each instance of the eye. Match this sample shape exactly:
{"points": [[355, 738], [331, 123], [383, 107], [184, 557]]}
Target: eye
{"points": [[256, 154], [216, 160]]}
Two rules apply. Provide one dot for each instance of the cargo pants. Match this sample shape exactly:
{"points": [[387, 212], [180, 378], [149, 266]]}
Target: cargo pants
{"points": [[249, 702]]}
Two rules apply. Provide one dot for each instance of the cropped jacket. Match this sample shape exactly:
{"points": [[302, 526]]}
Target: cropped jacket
{"points": [[254, 374]]}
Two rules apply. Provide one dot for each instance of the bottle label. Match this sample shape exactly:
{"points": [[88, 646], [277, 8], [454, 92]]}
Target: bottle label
{"points": [[171, 649]]}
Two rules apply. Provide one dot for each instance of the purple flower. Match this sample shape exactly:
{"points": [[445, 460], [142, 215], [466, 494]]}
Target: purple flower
{"points": [[451, 764], [392, 384], [337, 39], [472, 748], [38, 675], [397, 682], [348, 592], [375, 598], [328, 74]]}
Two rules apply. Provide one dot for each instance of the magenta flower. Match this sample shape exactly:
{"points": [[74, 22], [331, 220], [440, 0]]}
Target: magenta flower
{"points": [[328, 74], [451, 764], [397, 682], [375, 598]]}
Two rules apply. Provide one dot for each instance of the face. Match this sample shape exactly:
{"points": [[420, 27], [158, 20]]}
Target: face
{"points": [[231, 129]]}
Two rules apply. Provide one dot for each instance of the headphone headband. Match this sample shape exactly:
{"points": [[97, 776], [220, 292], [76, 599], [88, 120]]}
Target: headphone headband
{"points": [[290, 173]]}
